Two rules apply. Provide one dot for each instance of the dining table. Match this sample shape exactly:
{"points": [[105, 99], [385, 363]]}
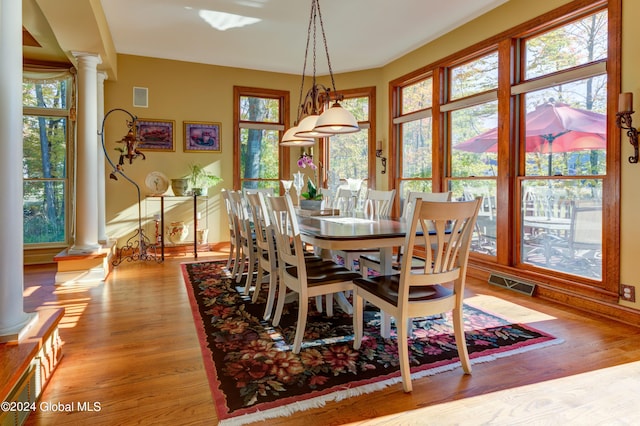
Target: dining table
{"points": [[355, 232]]}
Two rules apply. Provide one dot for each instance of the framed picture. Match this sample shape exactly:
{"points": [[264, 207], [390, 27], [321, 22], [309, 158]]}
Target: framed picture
{"points": [[156, 135], [200, 136]]}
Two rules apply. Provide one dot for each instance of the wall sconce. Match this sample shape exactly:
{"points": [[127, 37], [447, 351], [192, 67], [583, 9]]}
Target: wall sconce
{"points": [[379, 155], [623, 121]]}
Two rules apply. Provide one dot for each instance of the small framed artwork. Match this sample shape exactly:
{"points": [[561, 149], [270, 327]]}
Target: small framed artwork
{"points": [[201, 136], [156, 135]]}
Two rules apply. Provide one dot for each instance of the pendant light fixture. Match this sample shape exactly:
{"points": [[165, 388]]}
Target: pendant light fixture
{"points": [[310, 124]]}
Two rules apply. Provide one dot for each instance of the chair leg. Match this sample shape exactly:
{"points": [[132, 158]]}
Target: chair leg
{"points": [[319, 306], [357, 320], [329, 299], [240, 265], [230, 259], [273, 283], [259, 278], [251, 266], [403, 356], [282, 292], [303, 310], [461, 343]]}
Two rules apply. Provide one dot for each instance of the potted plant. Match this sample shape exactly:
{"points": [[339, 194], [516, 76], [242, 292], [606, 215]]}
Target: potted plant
{"points": [[200, 179]]}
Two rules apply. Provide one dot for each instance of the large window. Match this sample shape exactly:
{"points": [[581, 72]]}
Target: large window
{"points": [[46, 160], [259, 120], [564, 144], [522, 122]]}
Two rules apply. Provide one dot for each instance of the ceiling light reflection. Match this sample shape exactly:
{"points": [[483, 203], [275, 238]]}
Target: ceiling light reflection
{"points": [[223, 21]]}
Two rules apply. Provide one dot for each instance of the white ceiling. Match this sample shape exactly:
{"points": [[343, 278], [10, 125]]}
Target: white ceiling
{"points": [[361, 34]]}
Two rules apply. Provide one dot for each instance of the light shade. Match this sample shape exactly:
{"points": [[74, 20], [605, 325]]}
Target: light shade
{"points": [[290, 139], [336, 120], [306, 128]]}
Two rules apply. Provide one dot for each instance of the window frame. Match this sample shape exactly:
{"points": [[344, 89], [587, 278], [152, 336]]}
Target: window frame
{"points": [[283, 123], [507, 44], [67, 180]]}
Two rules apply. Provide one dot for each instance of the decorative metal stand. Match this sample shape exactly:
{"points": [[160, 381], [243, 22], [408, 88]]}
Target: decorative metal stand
{"points": [[139, 246]]}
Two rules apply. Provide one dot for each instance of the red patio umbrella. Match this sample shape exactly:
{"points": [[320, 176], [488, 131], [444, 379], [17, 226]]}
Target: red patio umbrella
{"points": [[551, 127]]}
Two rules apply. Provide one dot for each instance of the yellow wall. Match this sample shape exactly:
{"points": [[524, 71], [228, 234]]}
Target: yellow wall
{"points": [[185, 91]]}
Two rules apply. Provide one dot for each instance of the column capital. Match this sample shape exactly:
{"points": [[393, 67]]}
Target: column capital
{"points": [[87, 56]]}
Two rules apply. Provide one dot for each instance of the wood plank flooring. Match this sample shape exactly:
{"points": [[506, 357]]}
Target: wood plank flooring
{"points": [[130, 346]]}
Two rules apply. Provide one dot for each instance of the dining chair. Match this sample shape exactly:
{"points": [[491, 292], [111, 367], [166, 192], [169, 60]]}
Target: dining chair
{"points": [[436, 289], [325, 277], [234, 234], [377, 203], [265, 246], [248, 251], [372, 260]]}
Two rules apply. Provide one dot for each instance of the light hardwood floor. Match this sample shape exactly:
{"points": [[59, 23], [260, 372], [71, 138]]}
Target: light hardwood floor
{"points": [[130, 345]]}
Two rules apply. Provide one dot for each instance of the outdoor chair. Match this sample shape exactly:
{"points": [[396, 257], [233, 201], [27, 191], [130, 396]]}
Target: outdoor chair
{"points": [[325, 277], [436, 289]]}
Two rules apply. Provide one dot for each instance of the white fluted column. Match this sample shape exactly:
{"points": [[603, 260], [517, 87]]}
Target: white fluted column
{"points": [[102, 226], [86, 238], [13, 320]]}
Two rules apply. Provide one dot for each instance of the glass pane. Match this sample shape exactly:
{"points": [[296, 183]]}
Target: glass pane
{"points": [[44, 147], [259, 154], [45, 95], [566, 129], [578, 43], [359, 107], [474, 140], [484, 239], [562, 225], [349, 155], [44, 205], [417, 149], [273, 185], [475, 77], [417, 96], [266, 110]]}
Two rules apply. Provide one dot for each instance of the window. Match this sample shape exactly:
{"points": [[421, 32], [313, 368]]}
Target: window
{"points": [[477, 123], [259, 120], [415, 133], [564, 144], [473, 114], [343, 149], [46, 130]]}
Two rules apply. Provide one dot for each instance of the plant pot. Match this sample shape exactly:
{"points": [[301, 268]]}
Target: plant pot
{"points": [[179, 186], [311, 204], [198, 191]]}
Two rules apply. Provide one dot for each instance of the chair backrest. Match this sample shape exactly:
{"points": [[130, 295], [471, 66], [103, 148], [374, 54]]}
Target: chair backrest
{"points": [[586, 227], [410, 202], [242, 218], [445, 247], [228, 203], [261, 221], [266, 191], [288, 242], [381, 201]]}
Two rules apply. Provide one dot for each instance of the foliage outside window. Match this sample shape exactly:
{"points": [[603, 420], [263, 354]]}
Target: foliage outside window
{"points": [[46, 129], [260, 121], [349, 153]]}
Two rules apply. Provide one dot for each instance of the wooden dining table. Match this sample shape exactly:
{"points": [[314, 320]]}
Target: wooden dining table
{"points": [[355, 232]]}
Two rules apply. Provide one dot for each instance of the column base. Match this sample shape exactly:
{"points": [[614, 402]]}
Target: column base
{"points": [[93, 266], [18, 331]]}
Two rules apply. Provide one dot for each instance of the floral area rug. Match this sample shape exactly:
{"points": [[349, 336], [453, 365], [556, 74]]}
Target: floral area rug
{"points": [[254, 375]]}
